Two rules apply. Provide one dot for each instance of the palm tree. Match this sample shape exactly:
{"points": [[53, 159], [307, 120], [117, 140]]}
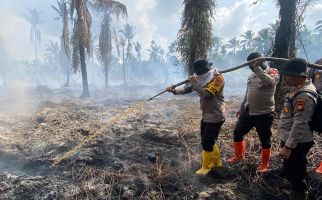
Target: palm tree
{"points": [[108, 8], [248, 38], [318, 26], [128, 32], [81, 39], [65, 52], [52, 53], [138, 48], [263, 41], [195, 34], [233, 44], [33, 17], [156, 52], [286, 32], [122, 43], [284, 46]]}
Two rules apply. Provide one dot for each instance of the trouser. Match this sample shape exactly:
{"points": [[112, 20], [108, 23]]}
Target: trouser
{"points": [[209, 134], [294, 168], [262, 123]]}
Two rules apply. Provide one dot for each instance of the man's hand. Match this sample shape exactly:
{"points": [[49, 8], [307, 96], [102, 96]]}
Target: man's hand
{"points": [[169, 89], [258, 62], [194, 80], [284, 153]]}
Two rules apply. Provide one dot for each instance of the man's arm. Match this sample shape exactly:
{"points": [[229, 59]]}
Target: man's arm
{"points": [[184, 89], [268, 78]]}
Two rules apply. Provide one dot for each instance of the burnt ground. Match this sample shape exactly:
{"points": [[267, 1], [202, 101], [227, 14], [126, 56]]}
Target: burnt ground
{"points": [[54, 145]]}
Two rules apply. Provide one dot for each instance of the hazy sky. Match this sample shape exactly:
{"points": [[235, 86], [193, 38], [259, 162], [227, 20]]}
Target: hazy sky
{"points": [[157, 20]]}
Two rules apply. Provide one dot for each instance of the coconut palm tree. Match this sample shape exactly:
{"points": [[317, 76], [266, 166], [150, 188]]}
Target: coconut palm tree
{"points": [[263, 40], [108, 9], [52, 53], [195, 35], [122, 44], [156, 52], [128, 32], [65, 52], [138, 48], [233, 44], [33, 17], [248, 38]]}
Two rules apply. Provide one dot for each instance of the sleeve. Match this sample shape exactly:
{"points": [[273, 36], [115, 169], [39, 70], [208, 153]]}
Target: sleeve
{"points": [[270, 77], [303, 106], [184, 89]]}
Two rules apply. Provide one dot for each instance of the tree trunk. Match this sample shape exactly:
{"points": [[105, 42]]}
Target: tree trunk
{"points": [[67, 79], [36, 57], [106, 76], [286, 32], [284, 46], [84, 72], [123, 63]]}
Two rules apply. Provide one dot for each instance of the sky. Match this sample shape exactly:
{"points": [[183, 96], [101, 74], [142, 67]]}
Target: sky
{"points": [[157, 20]]}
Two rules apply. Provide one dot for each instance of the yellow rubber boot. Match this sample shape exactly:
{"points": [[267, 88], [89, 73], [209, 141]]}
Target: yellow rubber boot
{"points": [[207, 162], [217, 160]]}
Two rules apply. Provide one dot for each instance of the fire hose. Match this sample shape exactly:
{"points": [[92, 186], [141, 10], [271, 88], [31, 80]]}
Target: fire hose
{"points": [[272, 59]]}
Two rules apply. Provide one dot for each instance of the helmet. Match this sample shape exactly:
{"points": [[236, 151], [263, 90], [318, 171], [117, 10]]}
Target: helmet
{"points": [[201, 66], [254, 55], [296, 66]]}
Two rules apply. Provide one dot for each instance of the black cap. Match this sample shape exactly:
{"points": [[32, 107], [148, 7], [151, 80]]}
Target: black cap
{"points": [[254, 55], [296, 66], [201, 66]]}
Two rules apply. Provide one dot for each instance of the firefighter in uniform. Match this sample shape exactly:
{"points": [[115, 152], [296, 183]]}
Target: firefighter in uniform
{"points": [[316, 76], [293, 130], [209, 85], [257, 110]]}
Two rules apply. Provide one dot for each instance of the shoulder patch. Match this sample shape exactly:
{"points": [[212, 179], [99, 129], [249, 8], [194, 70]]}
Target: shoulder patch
{"points": [[300, 104], [317, 75], [215, 84]]}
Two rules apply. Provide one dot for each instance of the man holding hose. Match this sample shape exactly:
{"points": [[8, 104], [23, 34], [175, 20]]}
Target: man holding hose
{"points": [[209, 85], [257, 110]]}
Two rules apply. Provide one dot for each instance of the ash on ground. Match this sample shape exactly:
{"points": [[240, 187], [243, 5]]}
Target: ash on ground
{"points": [[62, 147]]}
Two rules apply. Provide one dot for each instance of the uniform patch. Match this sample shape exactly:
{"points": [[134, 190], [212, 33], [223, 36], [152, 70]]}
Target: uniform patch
{"points": [[317, 76], [215, 85], [218, 80], [286, 110], [300, 103]]}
